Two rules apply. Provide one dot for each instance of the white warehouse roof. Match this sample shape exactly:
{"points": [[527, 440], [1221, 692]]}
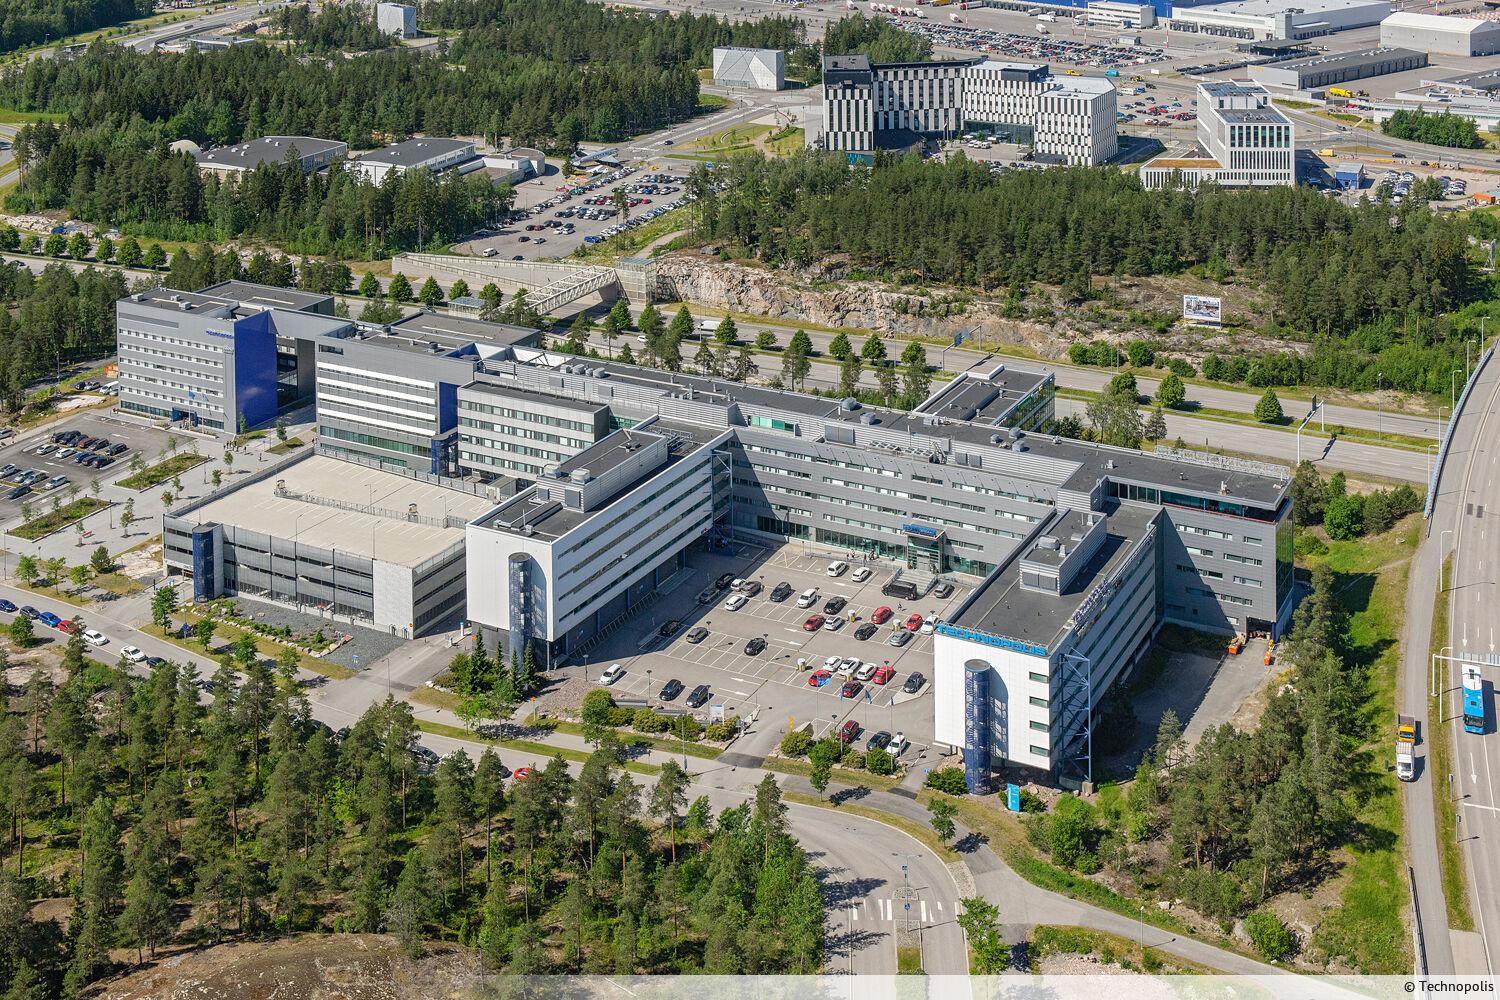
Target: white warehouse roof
{"points": [[1436, 22]]}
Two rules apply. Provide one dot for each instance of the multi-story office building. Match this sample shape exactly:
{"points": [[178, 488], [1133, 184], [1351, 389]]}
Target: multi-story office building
{"points": [[1245, 141], [892, 106], [235, 354]]}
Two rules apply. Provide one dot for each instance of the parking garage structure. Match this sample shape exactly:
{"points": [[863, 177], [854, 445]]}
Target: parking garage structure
{"points": [[371, 547]]}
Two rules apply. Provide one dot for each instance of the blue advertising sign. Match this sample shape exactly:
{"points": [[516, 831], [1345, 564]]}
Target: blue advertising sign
{"points": [[920, 529], [1013, 798], [974, 635]]}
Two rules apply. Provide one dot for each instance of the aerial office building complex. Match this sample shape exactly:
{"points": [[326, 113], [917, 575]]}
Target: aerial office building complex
{"points": [[580, 487], [895, 106], [1244, 140]]}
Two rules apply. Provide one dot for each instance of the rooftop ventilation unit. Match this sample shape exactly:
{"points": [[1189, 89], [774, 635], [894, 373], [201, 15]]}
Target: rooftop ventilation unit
{"points": [[579, 476]]}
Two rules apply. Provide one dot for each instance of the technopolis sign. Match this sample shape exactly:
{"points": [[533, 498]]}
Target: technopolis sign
{"points": [[985, 638]]}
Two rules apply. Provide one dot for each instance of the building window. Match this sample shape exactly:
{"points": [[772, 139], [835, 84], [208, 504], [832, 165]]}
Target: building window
{"points": [[1039, 678], [1040, 727], [1037, 751], [1038, 702], [1247, 581]]}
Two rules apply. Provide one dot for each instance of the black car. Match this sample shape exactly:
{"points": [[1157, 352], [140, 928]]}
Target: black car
{"points": [[914, 682], [755, 646], [697, 696], [669, 629], [865, 631], [879, 741], [697, 635], [834, 605], [7, 606], [781, 592], [723, 582], [30, 612], [671, 689]]}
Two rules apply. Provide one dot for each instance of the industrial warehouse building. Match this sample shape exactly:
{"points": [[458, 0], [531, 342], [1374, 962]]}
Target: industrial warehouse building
{"points": [[310, 154], [609, 475], [1440, 35], [1331, 70], [434, 155], [1277, 19], [756, 69], [894, 106]]}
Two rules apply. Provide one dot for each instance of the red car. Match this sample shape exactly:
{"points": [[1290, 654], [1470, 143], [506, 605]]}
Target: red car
{"points": [[881, 615], [818, 678], [884, 674], [67, 626], [851, 689], [813, 623], [522, 773], [913, 623], [534, 228], [848, 731]]}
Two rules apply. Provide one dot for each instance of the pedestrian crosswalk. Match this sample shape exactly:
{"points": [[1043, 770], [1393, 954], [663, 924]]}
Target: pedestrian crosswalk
{"points": [[883, 909]]}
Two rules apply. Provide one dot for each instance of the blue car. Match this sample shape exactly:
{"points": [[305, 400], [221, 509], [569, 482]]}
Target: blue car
{"points": [[7, 606], [48, 619]]}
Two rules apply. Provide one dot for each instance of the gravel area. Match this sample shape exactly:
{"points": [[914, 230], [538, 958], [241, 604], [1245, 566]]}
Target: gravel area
{"points": [[367, 646]]}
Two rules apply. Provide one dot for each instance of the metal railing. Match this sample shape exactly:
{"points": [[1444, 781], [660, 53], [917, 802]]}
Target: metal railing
{"points": [[1437, 465]]}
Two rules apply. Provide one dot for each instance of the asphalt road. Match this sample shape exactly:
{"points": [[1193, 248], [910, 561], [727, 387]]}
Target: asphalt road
{"points": [[1470, 491]]}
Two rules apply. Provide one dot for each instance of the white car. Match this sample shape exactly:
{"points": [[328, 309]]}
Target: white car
{"points": [[807, 598], [737, 585], [897, 744], [928, 626], [833, 623], [133, 654], [832, 663], [611, 674], [850, 665], [735, 602], [865, 672], [838, 568], [861, 575], [94, 637]]}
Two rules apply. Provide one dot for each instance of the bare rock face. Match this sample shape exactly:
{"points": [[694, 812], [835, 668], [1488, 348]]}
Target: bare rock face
{"points": [[823, 297]]}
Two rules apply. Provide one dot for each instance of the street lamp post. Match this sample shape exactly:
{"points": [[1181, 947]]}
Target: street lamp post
{"points": [[1379, 387]]}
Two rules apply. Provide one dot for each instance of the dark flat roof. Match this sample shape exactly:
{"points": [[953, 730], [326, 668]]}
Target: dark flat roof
{"points": [[268, 149], [609, 451], [458, 331], [415, 152], [268, 296], [519, 394], [1000, 607]]}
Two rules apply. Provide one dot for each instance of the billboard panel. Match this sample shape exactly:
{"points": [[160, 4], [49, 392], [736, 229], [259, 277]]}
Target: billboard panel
{"points": [[1205, 309]]}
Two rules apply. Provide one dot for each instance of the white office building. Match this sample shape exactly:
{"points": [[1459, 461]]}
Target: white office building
{"points": [[1245, 142], [894, 106], [1264, 19], [396, 19], [756, 69]]}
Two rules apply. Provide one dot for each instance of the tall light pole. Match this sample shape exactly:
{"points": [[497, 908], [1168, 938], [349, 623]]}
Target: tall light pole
{"points": [[1379, 388]]}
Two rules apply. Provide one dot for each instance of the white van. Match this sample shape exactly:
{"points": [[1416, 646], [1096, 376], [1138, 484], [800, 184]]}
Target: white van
{"points": [[807, 598]]}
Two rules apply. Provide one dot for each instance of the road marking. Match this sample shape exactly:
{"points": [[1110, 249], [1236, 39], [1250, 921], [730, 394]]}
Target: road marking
{"points": [[924, 911], [1473, 775], [1477, 805]]}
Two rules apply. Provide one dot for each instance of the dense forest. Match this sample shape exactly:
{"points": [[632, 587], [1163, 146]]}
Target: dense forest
{"points": [[876, 38], [27, 22], [1435, 129], [542, 72], [51, 320], [1338, 275], [167, 822], [121, 173], [333, 28]]}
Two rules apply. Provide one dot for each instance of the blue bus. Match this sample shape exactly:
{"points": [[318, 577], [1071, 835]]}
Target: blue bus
{"points": [[1476, 716]]}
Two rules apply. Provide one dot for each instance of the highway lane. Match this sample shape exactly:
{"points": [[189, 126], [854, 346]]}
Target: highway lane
{"points": [[859, 860], [1474, 601]]}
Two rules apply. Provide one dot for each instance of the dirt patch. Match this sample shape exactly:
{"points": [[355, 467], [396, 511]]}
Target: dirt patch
{"points": [[142, 563], [337, 967], [1078, 965]]}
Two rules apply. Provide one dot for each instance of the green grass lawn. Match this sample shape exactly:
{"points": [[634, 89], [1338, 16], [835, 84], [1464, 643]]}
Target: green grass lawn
{"points": [[9, 116], [1367, 928], [842, 775], [631, 241], [162, 471], [289, 445], [542, 750], [65, 515], [909, 961], [665, 744]]}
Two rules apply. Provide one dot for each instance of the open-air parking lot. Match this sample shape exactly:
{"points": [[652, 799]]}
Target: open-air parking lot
{"points": [[54, 465], [691, 636]]}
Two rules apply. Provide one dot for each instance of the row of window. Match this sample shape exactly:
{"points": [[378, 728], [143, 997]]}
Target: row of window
{"points": [[529, 416], [371, 440], [525, 433], [196, 345]]}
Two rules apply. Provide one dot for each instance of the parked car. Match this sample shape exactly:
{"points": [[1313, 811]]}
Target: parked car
{"points": [[851, 689], [818, 678], [879, 741], [724, 580], [612, 673], [751, 588], [838, 568], [7, 606], [735, 602], [671, 689], [697, 635], [48, 619], [897, 744], [913, 622], [914, 682], [850, 729], [669, 628], [900, 637], [865, 672], [884, 674], [523, 773], [865, 631], [862, 574], [833, 623], [943, 590], [133, 654], [698, 696], [834, 605], [848, 666], [807, 598], [95, 638], [813, 623], [31, 612], [881, 615], [755, 646]]}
